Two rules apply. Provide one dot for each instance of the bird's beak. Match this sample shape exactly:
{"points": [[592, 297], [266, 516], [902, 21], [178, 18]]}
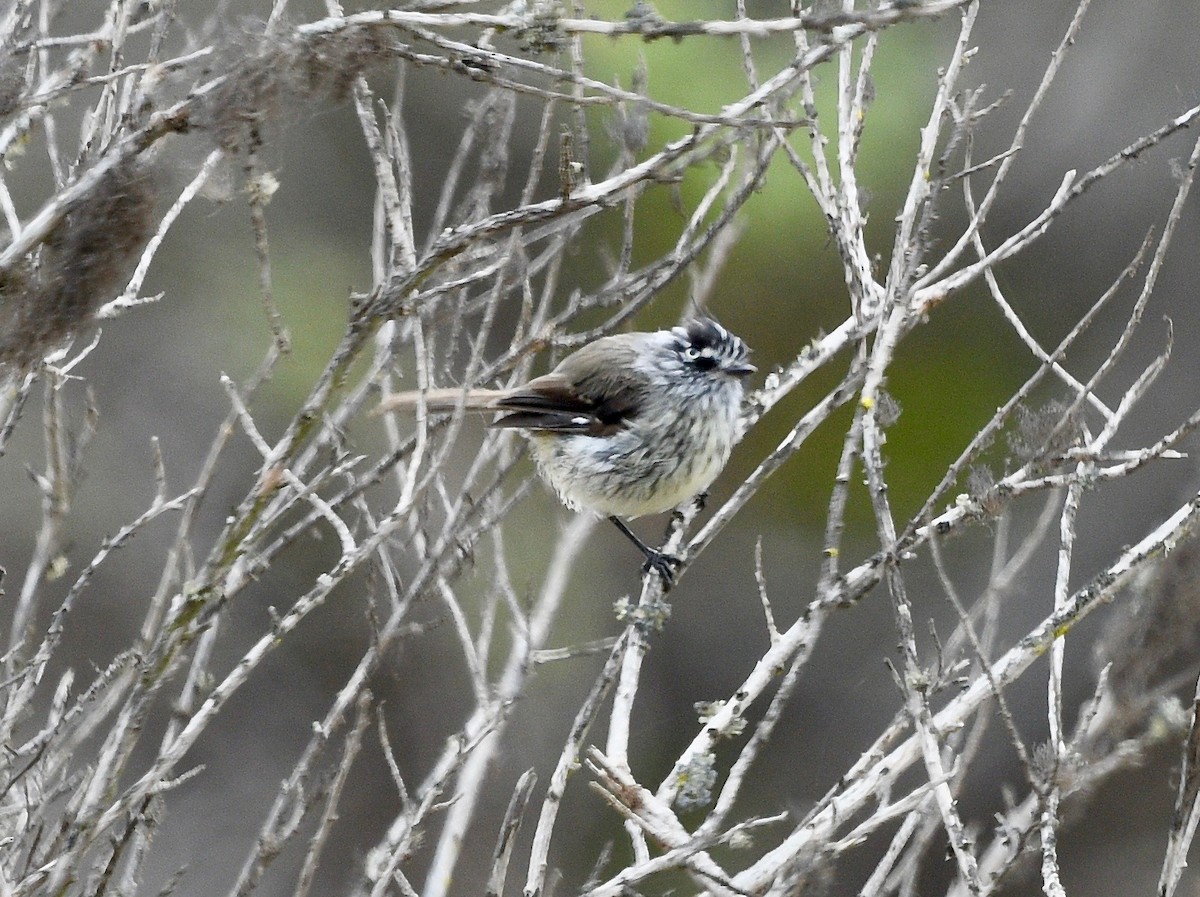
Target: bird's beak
{"points": [[741, 369]]}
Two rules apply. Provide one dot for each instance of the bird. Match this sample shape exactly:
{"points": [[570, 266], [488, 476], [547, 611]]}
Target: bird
{"points": [[628, 425]]}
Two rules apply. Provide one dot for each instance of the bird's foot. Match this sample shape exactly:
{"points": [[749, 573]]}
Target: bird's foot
{"points": [[664, 565], [678, 515], [660, 562]]}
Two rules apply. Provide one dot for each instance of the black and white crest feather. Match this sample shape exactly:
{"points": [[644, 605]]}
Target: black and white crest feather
{"points": [[708, 345]]}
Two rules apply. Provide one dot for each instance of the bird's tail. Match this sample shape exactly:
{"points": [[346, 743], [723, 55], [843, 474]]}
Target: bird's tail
{"points": [[441, 400]]}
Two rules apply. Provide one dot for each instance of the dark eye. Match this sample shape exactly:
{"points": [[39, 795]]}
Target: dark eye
{"points": [[698, 359]]}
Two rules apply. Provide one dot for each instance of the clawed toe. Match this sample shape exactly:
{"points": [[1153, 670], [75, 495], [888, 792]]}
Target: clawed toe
{"points": [[660, 562], [664, 565]]}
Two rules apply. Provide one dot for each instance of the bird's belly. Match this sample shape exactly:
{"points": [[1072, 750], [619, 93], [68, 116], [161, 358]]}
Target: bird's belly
{"points": [[619, 475]]}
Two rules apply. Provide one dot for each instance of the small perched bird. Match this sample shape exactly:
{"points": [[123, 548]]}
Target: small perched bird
{"points": [[628, 425]]}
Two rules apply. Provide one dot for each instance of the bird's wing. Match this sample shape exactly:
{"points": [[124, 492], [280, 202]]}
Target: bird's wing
{"points": [[597, 405]]}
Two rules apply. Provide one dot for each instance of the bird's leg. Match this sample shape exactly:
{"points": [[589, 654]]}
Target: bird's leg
{"points": [[662, 563]]}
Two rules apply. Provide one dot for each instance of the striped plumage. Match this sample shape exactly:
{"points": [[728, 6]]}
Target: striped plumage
{"points": [[630, 424]]}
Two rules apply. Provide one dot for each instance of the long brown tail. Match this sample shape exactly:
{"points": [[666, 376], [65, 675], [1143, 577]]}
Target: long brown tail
{"points": [[446, 399]]}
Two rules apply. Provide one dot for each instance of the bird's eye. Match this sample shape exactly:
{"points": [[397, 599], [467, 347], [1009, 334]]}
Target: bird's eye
{"points": [[699, 359]]}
